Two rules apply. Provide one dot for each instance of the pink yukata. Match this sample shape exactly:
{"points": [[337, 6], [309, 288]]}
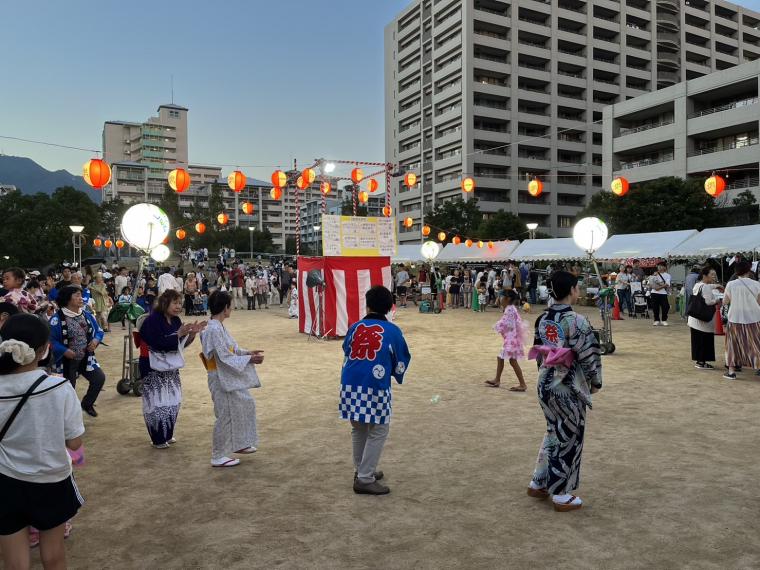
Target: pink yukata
{"points": [[512, 330]]}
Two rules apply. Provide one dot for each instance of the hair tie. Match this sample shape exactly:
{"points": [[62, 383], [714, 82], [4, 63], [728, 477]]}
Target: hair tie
{"points": [[21, 352]]}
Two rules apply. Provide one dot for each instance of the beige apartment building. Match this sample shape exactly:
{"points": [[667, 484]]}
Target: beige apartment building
{"points": [[508, 90]]}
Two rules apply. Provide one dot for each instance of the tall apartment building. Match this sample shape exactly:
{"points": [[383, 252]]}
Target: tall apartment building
{"points": [[690, 130], [507, 90]]}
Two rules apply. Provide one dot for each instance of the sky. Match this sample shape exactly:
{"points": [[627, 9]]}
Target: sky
{"points": [[265, 81]]}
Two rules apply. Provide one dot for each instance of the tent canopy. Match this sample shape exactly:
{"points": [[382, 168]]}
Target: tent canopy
{"points": [[502, 251], [408, 253], [558, 249], [720, 241], [642, 246]]}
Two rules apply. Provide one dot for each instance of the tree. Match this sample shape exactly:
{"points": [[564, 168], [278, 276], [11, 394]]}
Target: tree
{"points": [[215, 205], [502, 225], [665, 204], [111, 213], [169, 203], [347, 208], [456, 215], [744, 199]]}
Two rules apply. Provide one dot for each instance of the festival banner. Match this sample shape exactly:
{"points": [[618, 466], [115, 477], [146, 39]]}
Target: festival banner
{"points": [[348, 236]]}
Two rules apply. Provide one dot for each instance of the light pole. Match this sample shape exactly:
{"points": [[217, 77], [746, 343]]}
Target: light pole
{"points": [[532, 230], [76, 239], [250, 234]]}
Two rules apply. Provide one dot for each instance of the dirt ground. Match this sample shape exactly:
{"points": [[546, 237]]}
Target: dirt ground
{"points": [[668, 455]]}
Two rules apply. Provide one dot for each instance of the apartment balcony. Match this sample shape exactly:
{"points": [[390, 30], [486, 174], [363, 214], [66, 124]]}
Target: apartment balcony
{"points": [[668, 77], [409, 112], [670, 5], [669, 39], [735, 113], [447, 116], [711, 159], [533, 48], [409, 71], [647, 168], [493, 17], [644, 136], [669, 58], [448, 138], [447, 92], [670, 20], [605, 24], [497, 157], [501, 137], [449, 185], [491, 112], [455, 160]]}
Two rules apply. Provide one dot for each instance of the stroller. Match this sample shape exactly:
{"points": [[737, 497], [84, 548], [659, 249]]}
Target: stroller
{"points": [[199, 304], [640, 301]]}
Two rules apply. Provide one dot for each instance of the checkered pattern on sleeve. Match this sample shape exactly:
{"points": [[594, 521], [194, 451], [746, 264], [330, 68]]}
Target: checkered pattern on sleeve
{"points": [[365, 404]]}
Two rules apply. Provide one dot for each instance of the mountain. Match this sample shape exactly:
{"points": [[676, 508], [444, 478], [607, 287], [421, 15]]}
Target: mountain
{"points": [[31, 178]]}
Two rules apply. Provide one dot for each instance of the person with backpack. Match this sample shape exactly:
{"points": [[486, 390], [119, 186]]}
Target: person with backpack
{"points": [[701, 321], [40, 417]]}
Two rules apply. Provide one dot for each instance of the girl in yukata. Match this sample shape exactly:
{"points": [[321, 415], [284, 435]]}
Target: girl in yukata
{"points": [[511, 328], [231, 373], [570, 370]]}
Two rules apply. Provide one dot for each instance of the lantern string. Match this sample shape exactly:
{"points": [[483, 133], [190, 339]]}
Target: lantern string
{"points": [[50, 144]]}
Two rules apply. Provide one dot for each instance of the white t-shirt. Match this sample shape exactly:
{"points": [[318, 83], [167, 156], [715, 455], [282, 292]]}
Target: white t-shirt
{"points": [[34, 449], [743, 293], [166, 281], [120, 281], [659, 279]]}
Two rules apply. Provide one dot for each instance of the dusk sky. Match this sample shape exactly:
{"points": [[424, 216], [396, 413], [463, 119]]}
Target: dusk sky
{"points": [[265, 81]]}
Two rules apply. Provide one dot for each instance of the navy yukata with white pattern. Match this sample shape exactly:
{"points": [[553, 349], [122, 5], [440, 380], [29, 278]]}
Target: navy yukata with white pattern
{"points": [[375, 351]]}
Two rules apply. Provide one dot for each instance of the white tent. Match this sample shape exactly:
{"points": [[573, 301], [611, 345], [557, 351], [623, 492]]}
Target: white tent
{"points": [[720, 241], [408, 253], [642, 246], [561, 249], [501, 251]]}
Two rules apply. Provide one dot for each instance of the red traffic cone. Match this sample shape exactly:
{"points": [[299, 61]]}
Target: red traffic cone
{"points": [[616, 310], [718, 322]]}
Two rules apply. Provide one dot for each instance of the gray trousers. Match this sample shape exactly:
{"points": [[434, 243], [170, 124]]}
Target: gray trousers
{"points": [[368, 441]]}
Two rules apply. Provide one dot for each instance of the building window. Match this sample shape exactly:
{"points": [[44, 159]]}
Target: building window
{"points": [[173, 114]]}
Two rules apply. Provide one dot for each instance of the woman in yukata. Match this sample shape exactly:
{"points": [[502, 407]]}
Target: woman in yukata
{"points": [[570, 370], [231, 373]]}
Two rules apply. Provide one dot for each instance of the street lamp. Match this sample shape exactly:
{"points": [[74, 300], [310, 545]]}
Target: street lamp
{"points": [[532, 230], [76, 239]]}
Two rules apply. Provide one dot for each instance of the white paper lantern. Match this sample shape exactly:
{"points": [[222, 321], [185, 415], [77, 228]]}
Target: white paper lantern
{"points": [[589, 234], [160, 253], [144, 226], [430, 250]]}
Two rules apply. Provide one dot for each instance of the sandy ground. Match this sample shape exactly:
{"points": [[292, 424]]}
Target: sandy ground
{"points": [[669, 453]]}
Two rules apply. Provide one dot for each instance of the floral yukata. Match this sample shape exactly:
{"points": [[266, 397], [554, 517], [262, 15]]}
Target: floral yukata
{"points": [[512, 329], [569, 364], [230, 376]]}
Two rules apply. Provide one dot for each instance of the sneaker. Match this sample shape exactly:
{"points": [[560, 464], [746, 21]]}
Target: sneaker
{"points": [[373, 488], [656, 324], [171, 441], [703, 366], [161, 445], [730, 376], [378, 475], [664, 323]]}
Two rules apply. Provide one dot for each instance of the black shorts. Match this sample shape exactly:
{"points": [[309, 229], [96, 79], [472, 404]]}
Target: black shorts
{"points": [[41, 505], [400, 290]]}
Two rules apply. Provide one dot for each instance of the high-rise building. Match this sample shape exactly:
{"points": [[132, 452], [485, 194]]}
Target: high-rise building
{"points": [[506, 91]]}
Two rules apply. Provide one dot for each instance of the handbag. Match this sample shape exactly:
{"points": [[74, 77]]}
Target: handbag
{"points": [[699, 309], [169, 360]]}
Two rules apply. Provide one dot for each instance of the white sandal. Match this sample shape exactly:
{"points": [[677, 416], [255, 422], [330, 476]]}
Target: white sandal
{"points": [[225, 462], [563, 505], [247, 450]]}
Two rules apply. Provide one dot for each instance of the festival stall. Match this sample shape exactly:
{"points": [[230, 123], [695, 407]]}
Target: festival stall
{"points": [[644, 247], [459, 253], [559, 249], [408, 253], [719, 241]]}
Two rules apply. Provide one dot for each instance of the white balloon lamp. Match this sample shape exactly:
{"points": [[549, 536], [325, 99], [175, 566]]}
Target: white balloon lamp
{"points": [[589, 234], [430, 250], [144, 226], [160, 253]]}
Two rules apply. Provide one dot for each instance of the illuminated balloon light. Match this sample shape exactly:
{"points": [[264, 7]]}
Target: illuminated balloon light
{"points": [[108, 243], [372, 185], [160, 253], [410, 179], [430, 250], [325, 188], [275, 193], [181, 234], [119, 243], [715, 185], [96, 173], [589, 234], [363, 197], [426, 231], [236, 181], [179, 180], [408, 222], [357, 175], [441, 236], [97, 242], [247, 208], [279, 179], [480, 244], [387, 211], [468, 185], [200, 227], [468, 243], [223, 219], [456, 240], [144, 226], [535, 187], [619, 186]]}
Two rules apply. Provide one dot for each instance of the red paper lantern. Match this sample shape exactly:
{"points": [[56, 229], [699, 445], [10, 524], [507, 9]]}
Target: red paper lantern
{"points": [[715, 185], [97, 242], [247, 208], [456, 240], [96, 173], [119, 244], [275, 193], [535, 187], [410, 179], [468, 243], [363, 197], [480, 244], [181, 234], [387, 211], [279, 179], [408, 222], [468, 185], [108, 243], [441, 236], [302, 183], [179, 180], [236, 181], [490, 245], [325, 188], [309, 175], [619, 186], [223, 218], [372, 185], [200, 227], [426, 231], [357, 175]]}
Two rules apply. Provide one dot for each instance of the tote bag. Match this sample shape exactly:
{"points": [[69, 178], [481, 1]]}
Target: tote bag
{"points": [[169, 360]]}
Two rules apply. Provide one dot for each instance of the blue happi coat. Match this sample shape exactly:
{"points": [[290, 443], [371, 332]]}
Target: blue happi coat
{"points": [[375, 351], [59, 339]]}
